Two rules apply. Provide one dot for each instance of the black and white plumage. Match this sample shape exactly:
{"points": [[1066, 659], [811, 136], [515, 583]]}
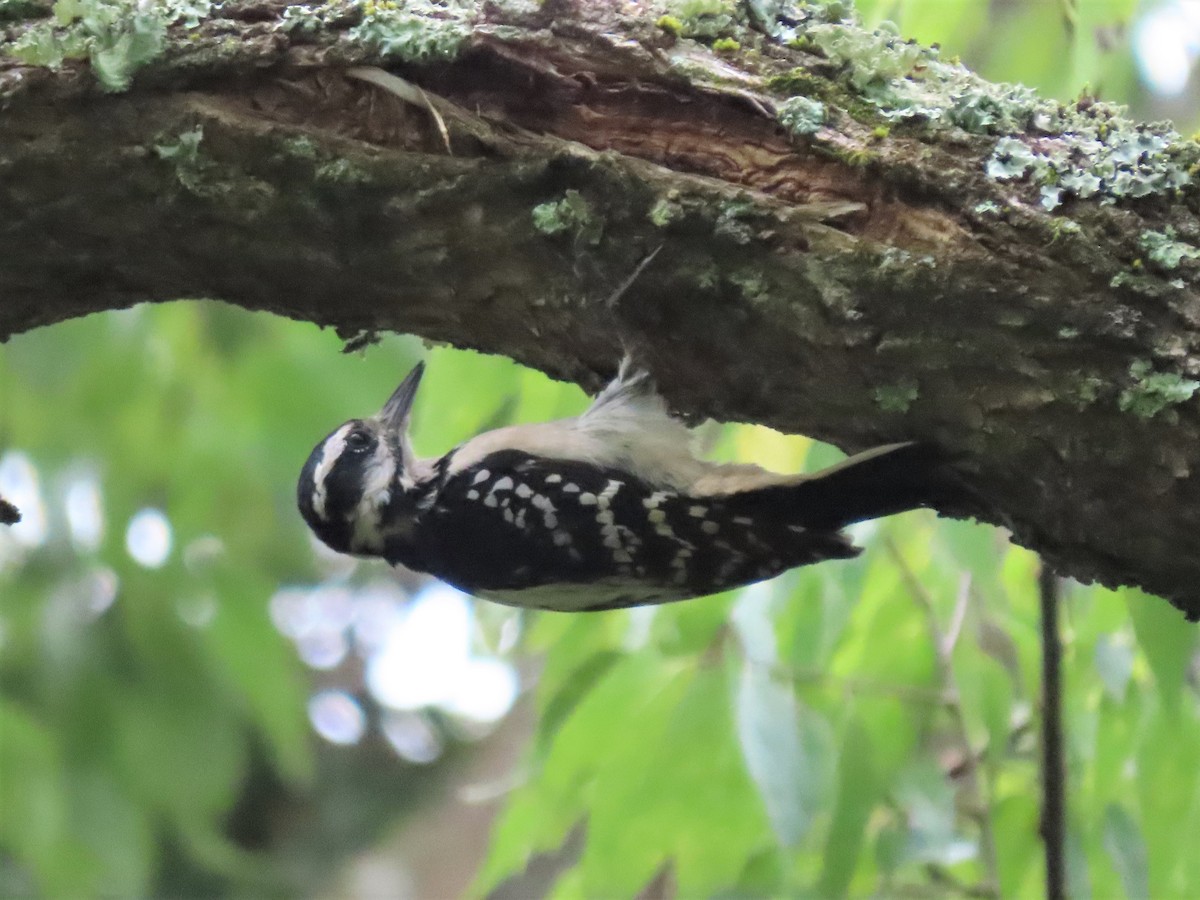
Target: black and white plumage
{"points": [[605, 510]]}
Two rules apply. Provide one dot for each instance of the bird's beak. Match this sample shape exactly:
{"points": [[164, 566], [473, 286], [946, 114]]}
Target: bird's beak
{"points": [[396, 411]]}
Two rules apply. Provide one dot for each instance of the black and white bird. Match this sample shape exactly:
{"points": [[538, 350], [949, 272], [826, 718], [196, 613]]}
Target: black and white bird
{"points": [[609, 509]]}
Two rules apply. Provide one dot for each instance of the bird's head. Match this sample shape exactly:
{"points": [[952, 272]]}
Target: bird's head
{"points": [[357, 483]]}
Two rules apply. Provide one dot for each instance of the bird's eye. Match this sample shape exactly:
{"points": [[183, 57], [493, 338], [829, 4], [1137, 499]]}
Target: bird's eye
{"points": [[358, 441]]}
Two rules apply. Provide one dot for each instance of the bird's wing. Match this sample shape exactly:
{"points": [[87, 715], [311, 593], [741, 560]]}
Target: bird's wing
{"points": [[628, 428], [515, 522]]}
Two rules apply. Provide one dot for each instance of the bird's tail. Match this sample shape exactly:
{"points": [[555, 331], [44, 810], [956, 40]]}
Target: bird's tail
{"points": [[879, 482]]}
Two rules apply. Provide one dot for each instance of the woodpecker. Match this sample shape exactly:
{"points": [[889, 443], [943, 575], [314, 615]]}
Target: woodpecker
{"points": [[606, 510]]}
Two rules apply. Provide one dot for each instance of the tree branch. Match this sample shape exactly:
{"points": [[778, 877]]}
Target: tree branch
{"points": [[856, 240]]}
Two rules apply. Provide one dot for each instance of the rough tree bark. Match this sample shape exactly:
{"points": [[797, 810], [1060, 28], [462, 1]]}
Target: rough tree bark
{"points": [[860, 241]]}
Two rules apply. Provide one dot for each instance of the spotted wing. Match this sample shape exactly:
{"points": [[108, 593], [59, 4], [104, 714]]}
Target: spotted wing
{"points": [[559, 534]]}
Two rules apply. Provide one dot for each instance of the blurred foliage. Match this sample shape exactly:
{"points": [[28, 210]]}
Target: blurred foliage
{"points": [[867, 727]]}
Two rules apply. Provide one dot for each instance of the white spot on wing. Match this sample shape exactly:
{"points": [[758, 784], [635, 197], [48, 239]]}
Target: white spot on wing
{"points": [[481, 476], [524, 491], [698, 512], [570, 488], [472, 494], [587, 499], [503, 484], [553, 479], [710, 527]]}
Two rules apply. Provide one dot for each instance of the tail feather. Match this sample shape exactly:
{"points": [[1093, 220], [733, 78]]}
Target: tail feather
{"points": [[880, 482]]}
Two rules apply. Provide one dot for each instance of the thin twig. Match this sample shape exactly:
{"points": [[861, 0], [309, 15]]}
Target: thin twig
{"points": [[944, 648], [1054, 776], [910, 693], [615, 297], [406, 91]]}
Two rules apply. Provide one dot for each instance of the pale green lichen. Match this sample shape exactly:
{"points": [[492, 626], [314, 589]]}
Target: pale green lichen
{"points": [[182, 151], [300, 147], [1105, 157], [571, 214], [417, 31], [340, 171], [116, 36], [1162, 248], [1085, 389], [1088, 150], [735, 221], [752, 284], [1153, 392], [802, 115], [904, 81], [785, 20], [897, 397], [872, 59], [664, 212], [300, 18], [705, 19], [670, 25], [1062, 227]]}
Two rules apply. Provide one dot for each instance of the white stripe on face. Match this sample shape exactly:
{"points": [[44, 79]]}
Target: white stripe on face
{"points": [[331, 451]]}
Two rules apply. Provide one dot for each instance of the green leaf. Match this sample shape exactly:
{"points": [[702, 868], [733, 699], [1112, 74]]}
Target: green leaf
{"points": [[441, 418], [33, 810], [787, 749], [574, 687], [1167, 779], [604, 748], [67, 11], [1079, 882], [933, 835], [987, 694], [1015, 819], [857, 794], [975, 548], [751, 618], [116, 829], [1167, 640], [696, 807], [1114, 663], [682, 629], [262, 668], [1127, 850]]}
